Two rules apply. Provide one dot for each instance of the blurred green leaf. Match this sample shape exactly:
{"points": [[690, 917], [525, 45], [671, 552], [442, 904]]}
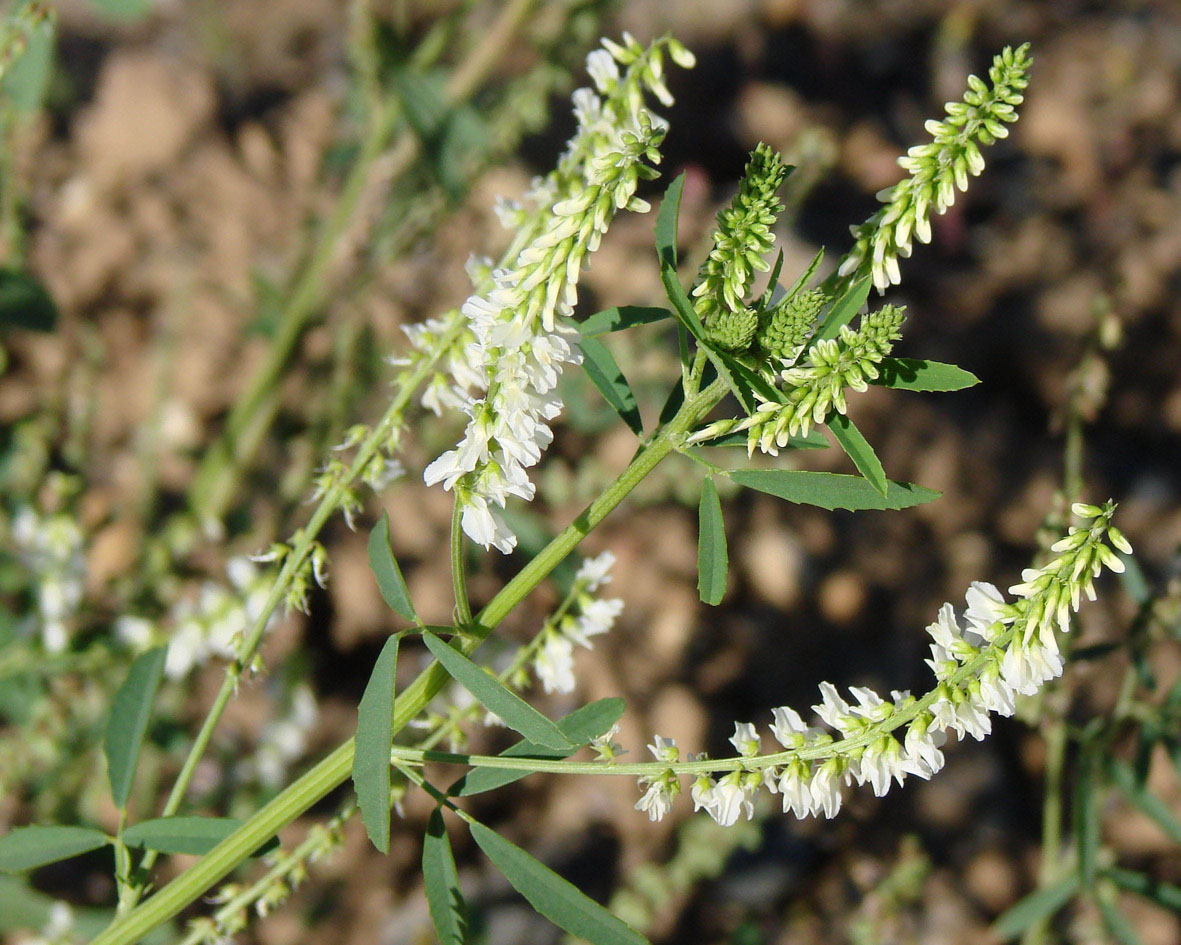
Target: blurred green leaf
{"points": [[553, 897], [858, 449], [375, 737], [831, 490], [24, 302], [27, 848], [385, 569], [1038, 905], [25, 82], [1163, 894], [443, 895], [510, 708], [712, 558], [131, 710], [1117, 923], [1145, 801], [126, 10], [601, 368], [1086, 816], [194, 836]]}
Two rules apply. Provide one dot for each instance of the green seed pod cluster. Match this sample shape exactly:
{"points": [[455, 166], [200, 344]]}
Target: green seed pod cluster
{"points": [[733, 330], [784, 329]]}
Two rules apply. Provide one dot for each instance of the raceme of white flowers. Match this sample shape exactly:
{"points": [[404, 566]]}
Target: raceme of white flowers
{"points": [[939, 168], [997, 651], [554, 663], [521, 330], [50, 547], [212, 624]]}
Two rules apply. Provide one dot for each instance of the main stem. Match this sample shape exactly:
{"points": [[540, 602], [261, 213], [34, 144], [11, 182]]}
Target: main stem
{"points": [[336, 768]]}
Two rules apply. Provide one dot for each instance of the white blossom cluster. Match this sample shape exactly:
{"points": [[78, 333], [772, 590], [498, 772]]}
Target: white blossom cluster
{"points": [[282, 741], [522, 336], [982, 662], [937, 169], [590, 617], [50, 547], [212, 624]]}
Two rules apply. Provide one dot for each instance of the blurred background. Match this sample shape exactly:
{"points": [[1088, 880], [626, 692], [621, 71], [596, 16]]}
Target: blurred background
{"points": [[214, 219]]}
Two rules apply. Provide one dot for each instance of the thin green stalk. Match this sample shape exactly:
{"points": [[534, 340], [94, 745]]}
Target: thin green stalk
{"points": [[251, 416], [463, 609], [336, 768], [292, 564]]}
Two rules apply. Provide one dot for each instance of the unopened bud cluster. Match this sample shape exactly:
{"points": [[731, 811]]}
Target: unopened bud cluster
{"points": [[937, 169], [1000, 650]]}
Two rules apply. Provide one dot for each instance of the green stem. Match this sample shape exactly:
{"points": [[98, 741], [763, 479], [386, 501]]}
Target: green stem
{"points": [[336, 768], [463, 609]]}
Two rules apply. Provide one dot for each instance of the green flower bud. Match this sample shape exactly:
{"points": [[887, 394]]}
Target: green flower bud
{"points": [[784, 329], [733, 329]]}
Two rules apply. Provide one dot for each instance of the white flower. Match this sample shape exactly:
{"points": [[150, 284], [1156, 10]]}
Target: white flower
{"points": [[731, 798], [665, 749], [745, 739], [595, 572], [656, 802], [788, 728], [826, 787], [554, 664], [795, 786]]}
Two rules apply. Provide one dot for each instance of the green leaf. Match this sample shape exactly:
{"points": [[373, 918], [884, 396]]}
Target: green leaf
{"points": [[1133, 579], [712, 559], [621, 317], [1163, 894], [843, 310], [807, 274], [375, 736], [859, 450], [448, 911], [832, 490], [195, 836], [27, 79], [24, 302], [682, 307], [1038, 905], [601, 368], [772, 282], [385, 568], [666, 223], [130, 712], [1117, 923], [553, 897], [814, 440], [510, 708], [27, 848], [1148, 803], [581, 726], [916, 374]]}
